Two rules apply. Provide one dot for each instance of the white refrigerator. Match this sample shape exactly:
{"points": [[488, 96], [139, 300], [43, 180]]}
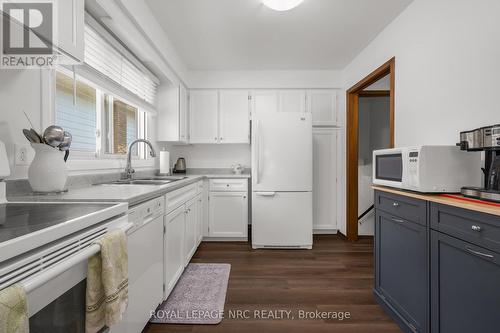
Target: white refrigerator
{"points": [[281, 177]]}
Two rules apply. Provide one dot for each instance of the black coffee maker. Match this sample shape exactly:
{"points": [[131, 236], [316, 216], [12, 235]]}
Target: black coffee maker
{"points": [[485, 139]]}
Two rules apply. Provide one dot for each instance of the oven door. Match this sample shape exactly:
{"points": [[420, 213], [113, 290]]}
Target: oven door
{"points": [[54, 279], [388, 167], [58, 306]]}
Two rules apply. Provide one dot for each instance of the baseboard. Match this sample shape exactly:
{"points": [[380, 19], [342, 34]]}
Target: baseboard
{"points": [[225, 239], [325, 231]]}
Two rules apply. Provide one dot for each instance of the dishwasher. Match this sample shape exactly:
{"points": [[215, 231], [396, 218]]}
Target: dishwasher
{"points": [[145, 255]]}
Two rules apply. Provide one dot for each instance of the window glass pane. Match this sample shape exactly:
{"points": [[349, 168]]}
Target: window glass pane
{"points": [[121, 120], [79, 119]]}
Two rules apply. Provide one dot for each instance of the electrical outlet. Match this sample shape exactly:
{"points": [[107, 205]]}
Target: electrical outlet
{"points": [[22, 157]]}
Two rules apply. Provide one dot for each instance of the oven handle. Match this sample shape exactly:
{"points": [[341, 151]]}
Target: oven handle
{"points": [[40, 279]]}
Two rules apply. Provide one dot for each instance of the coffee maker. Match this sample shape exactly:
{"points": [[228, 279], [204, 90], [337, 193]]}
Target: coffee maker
{"points": [[485, 139]]}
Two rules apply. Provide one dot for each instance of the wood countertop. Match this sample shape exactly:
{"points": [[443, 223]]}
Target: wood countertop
{"points": [[455, 200]]}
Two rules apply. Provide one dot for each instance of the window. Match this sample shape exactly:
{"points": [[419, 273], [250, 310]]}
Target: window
{"points": [[101, 123], [80, 118]]}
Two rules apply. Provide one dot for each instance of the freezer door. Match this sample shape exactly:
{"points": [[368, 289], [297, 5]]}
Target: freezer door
{"points": [[282, 151], [282, 220]]}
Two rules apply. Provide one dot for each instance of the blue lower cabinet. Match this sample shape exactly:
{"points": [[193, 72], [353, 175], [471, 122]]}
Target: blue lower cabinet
{"points": [[465, 286], [402, 270]]}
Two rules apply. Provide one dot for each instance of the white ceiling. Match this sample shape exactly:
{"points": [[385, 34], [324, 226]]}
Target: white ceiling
{"points": [[246, 35]]}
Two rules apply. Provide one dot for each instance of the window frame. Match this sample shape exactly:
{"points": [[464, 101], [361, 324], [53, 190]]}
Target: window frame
{"points": [[100, 153]]}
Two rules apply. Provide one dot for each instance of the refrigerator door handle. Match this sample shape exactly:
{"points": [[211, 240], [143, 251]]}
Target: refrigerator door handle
{"points": [[265, 194], [257, 148]]}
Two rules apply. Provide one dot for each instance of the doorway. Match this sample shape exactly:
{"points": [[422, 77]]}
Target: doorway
{"points": [[354, 97]]}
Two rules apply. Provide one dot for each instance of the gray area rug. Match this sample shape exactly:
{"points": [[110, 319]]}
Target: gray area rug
{"points": [[198, 297]]}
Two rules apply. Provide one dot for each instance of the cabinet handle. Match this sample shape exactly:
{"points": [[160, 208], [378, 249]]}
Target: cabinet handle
{"points": [[476, 228], [477, 253], [221, 139], [397, 220], [215, 139], [395, 204]]}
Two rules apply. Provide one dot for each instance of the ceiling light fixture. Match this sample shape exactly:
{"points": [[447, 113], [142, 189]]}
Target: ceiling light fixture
{"points": [[282, 5]]}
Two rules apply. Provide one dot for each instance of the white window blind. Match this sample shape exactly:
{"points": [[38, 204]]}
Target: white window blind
{"points": [[107, 60]]}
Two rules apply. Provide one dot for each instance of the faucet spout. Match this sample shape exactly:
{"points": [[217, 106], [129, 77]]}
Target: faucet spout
{"points": [[128, 169]]}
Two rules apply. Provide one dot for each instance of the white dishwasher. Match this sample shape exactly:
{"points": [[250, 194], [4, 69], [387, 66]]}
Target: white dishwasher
{"points": [[145, 255]]}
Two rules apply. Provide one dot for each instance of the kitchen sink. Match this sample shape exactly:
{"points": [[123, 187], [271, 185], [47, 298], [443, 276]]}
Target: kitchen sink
{"points": [[147, 181]]}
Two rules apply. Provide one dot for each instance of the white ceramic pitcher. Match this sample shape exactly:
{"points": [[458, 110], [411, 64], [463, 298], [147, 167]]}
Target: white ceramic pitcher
{"points": [[48, 171]]}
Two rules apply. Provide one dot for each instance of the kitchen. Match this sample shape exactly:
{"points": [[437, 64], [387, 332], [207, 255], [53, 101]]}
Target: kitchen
{"points": [[241, 197]]}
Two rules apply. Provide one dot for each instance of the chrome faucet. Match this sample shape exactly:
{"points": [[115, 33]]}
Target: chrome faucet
{"points": [[129, 171]]}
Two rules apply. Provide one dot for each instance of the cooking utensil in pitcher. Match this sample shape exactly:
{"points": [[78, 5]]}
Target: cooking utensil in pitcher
{"points": [[64, 146], [53, 136]]}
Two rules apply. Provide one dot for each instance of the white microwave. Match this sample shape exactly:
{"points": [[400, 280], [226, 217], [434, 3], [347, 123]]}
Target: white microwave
{"points": [[439, 169]]}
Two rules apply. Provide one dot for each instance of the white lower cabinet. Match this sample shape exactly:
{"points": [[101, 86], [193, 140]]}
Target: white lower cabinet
{"points": [[173, 248], [228, 210], [191, 233], [325, 188], [199, 218]]}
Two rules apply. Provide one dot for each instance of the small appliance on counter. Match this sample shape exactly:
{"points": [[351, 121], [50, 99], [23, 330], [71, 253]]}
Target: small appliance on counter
{"points": [[485, 139], [427, 169], [180, 165]]}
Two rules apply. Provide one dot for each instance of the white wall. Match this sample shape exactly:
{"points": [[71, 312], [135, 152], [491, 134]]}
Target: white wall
{"points": [[211, 156], [447, 54], [19, 90], [265, 79]]}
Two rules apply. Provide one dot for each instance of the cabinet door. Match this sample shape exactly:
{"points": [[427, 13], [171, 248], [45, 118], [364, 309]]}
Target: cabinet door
{"points": [[228, 214], [70, 20], [264, 101], [323, 106], [203, 116], [465, 290], [190, 243], [401, 269], [325, 179], [183, 114], [292, 101], [199, 218], [234, 122], [173, 248]]}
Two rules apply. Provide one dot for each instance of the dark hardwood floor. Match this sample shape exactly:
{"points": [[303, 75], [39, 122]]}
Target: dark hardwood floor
{"points": [[336, 276]]}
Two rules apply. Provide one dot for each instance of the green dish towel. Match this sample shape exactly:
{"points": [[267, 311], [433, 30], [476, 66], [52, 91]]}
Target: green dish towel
{"points": [[107, 283], [13, 310]]}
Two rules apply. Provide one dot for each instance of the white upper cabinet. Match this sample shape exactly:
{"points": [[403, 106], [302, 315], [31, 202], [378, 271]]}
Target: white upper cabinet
{"points": [[183, 114], [203, 116], [292, 101], [70, 30], [265, 101], [219, 116], [234, 119], [172, 114], [322, 103]]}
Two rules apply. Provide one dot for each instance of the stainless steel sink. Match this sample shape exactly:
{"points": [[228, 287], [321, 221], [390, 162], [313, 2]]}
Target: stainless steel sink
{"points": [[147, 181]]}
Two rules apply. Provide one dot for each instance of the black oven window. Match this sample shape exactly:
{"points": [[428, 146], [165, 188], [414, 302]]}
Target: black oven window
{"points": [[389, 167], [66, 314]]}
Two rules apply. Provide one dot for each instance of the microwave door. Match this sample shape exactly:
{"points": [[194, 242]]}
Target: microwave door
{"points": [[388, 169]]}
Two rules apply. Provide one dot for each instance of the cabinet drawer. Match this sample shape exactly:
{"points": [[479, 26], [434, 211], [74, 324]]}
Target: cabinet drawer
{"points": [[178, 197], [477, 228], [408, 208], [228, 185]]}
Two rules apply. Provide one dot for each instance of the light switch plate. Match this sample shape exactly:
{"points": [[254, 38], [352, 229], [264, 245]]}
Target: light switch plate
{"points": [[22, 154]]}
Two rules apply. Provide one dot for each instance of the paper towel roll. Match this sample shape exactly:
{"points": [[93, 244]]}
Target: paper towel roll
{"points": [[164, 162]]}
